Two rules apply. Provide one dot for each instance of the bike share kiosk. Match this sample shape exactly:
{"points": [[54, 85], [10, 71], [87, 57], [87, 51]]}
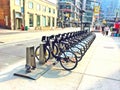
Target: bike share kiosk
{"points": [[30, 59], [45, 49], [31, 70]]}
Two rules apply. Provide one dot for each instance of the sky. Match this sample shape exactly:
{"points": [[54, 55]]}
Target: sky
{"points": [[54, 1]]}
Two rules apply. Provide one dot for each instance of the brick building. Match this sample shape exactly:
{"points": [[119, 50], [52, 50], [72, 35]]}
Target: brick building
{"points": [[29, 13], [5, 14]]}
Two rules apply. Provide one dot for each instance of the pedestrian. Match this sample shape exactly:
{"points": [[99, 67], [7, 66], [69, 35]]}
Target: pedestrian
{"points": [[106, 29], [103, 32]]}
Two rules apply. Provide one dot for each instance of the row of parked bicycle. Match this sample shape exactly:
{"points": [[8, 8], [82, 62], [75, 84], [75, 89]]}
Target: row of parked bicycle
{"points": [[67, 48]]}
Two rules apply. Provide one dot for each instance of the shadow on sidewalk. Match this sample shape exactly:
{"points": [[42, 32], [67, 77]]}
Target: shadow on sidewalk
{"points": [[6, 76]]}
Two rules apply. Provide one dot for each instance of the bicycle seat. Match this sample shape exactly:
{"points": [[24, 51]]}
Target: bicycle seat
{"points": [[44, 38], [51, 37]]}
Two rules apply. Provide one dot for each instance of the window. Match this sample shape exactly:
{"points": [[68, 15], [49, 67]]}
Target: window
{"points": [[38, 20], [68, 7], [48, 21], [73, 15], [38, 7], [49, 10], [62, 6], [44, 20], [53, 11], [44, 8], [53, 21], [18, 2], [30, 5], [31, 20]]}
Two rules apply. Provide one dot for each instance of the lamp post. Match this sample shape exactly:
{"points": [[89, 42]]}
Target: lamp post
{"points": [[81, 17]]}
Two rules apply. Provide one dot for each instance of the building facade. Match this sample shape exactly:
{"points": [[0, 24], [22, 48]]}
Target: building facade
{"points": [[88, 15], [29, 13], [69, 12], [5, 14]]}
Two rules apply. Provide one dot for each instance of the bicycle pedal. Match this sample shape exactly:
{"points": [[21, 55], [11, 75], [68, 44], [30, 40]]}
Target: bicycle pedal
{"points": [[28, 71], [33, 67], [28, 68], [54, 63]]}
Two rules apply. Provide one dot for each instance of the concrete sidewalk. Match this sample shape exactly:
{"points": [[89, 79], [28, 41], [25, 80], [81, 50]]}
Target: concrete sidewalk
{"points": [[98, 70]]}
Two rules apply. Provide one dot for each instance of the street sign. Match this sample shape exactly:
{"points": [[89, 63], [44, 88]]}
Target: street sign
{"points": [[97, 9]]}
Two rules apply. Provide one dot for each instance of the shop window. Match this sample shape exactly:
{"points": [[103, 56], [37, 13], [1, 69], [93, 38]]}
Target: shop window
{"points": [[48, 21], [38, 20], [53, 22], [31, 20], [44, 20]]}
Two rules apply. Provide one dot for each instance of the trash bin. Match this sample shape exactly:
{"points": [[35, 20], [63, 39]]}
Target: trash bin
{"points": [[22, 27], [26, 28]]}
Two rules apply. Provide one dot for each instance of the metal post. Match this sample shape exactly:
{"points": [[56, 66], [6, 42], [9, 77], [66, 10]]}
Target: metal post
{"points": [[42, 54], [30, 59], [81, 21]]}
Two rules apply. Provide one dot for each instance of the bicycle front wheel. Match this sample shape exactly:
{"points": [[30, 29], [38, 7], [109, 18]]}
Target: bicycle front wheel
{"points": [[46, 53], [68, 60]]}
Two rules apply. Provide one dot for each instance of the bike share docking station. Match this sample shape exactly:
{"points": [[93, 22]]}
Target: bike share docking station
{"points": [[45, 51], [32, 69]]}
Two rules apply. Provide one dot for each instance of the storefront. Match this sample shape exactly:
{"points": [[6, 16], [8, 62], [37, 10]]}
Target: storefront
{"points": [[17, 20]]}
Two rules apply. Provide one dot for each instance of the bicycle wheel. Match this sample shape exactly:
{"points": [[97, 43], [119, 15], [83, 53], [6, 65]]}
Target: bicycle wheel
{"points": [[81, 47], [46, 53], [68, 60], [55, 49], [77, 52]]}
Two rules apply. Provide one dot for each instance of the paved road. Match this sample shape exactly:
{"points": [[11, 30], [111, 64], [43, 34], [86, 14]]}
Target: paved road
{"points": [[15, 36]]}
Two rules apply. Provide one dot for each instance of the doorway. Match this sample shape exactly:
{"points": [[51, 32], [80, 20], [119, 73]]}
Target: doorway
{"points": [[18, 23]]}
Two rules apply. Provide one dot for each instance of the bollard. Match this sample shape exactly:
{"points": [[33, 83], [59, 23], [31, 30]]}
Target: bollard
{"points": [[30, 59], [42, 54]]}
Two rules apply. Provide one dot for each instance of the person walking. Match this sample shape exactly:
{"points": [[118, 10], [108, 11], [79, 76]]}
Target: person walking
{"points": [[106, 30], [103, 32]]}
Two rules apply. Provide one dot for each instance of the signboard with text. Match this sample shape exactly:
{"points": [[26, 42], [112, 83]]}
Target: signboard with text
{"points": [[96, 9]]}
